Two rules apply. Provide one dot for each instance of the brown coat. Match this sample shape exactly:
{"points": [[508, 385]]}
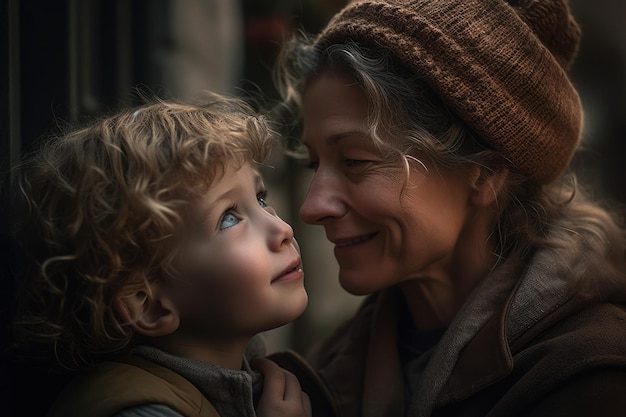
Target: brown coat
{"points": [[568, 359]]}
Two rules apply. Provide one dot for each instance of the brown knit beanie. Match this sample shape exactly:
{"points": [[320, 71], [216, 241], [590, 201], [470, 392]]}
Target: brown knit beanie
{"points": [[500, 65]]}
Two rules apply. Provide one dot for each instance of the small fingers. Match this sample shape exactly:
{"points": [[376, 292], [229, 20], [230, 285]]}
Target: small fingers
{"points": [[282, 394], [273, 375], [293, 391]]}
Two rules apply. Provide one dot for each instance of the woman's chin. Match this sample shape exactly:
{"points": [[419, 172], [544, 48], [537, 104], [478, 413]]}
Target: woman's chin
{"points": [[356, 285]]}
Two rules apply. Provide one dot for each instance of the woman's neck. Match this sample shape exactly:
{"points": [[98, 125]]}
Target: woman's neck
{"points": [[435, 296]]}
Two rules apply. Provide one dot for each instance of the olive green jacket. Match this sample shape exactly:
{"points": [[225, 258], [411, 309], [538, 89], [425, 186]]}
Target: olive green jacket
{"points": [[111, 387]]}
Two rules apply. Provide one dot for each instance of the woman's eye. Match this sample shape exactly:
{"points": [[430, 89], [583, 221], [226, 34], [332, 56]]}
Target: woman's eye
{"points": [[228, 220], [353, 163], [261, 199]]}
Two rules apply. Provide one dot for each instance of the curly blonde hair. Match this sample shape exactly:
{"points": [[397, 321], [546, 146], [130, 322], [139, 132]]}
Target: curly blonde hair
{"points": [[102, 207]]}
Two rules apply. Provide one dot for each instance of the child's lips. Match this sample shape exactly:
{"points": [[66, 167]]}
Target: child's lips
{"points": [[291, 273]]}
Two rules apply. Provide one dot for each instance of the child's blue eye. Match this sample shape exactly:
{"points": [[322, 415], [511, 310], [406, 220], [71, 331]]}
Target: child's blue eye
{"points": [[228, 220]]}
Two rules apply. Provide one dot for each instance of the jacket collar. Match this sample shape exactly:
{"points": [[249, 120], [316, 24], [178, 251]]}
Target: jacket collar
{"points": [[545, 292], [376, 326], [512, 303], [475, 334], [484, 360], [383, 389]]}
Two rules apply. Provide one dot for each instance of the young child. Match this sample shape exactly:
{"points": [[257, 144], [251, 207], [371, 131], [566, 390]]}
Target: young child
{"points": [[155, 260]]}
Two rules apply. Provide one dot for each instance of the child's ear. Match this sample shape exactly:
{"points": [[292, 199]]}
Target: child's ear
{"points": [[487, 185], [147, 310]]}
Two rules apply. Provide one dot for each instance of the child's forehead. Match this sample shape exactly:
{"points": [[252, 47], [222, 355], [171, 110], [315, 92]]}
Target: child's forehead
{"points": [[231, 182], [235, 175], [237, 172], [222, 168]]}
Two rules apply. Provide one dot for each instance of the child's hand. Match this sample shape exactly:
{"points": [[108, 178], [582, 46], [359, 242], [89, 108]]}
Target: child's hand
{"points": [[282, 395]]}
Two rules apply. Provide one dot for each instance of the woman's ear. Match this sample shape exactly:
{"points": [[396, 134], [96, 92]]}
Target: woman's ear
{"points": [[147, 310], [487, 185]]}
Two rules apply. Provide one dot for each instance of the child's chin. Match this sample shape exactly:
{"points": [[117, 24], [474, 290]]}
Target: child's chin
{"points": [[294, 312], [301, 308]]}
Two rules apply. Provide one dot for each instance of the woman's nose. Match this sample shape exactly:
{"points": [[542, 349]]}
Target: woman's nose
{"points": [[323, 201]]}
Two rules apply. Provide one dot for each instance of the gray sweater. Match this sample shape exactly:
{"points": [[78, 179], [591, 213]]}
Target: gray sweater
{"points": [[231, 392]]}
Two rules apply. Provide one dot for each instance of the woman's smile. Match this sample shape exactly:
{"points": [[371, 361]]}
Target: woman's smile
{"points": [[344, 243]]}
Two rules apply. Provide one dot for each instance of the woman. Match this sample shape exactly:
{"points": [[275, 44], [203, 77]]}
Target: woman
{"points": [[440, 133]]}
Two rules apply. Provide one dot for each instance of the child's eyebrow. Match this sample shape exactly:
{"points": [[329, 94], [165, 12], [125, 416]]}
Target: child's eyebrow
{"points": [[225, 196]]}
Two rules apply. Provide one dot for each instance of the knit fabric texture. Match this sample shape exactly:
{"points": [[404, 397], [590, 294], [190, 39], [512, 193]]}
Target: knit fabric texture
{"points": [[501, 66]]}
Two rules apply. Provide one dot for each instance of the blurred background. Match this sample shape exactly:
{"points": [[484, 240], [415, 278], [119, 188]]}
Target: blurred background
{"points": [[64, 61]]}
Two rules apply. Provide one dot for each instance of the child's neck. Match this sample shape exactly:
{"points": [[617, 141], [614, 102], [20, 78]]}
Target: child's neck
{"points": [[227, 354]]}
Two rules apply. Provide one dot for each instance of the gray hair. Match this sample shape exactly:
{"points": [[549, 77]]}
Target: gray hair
{"points": [[410, 121]]}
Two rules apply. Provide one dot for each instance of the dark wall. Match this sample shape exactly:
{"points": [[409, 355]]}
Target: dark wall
{"points": [[62, 62]]}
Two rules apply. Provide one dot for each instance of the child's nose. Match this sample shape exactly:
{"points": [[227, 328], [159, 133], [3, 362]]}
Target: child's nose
{"points": [[281, 233]]}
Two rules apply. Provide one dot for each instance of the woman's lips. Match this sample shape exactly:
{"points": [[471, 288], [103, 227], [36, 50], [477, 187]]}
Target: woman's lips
{"points": [[354, 241]]}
